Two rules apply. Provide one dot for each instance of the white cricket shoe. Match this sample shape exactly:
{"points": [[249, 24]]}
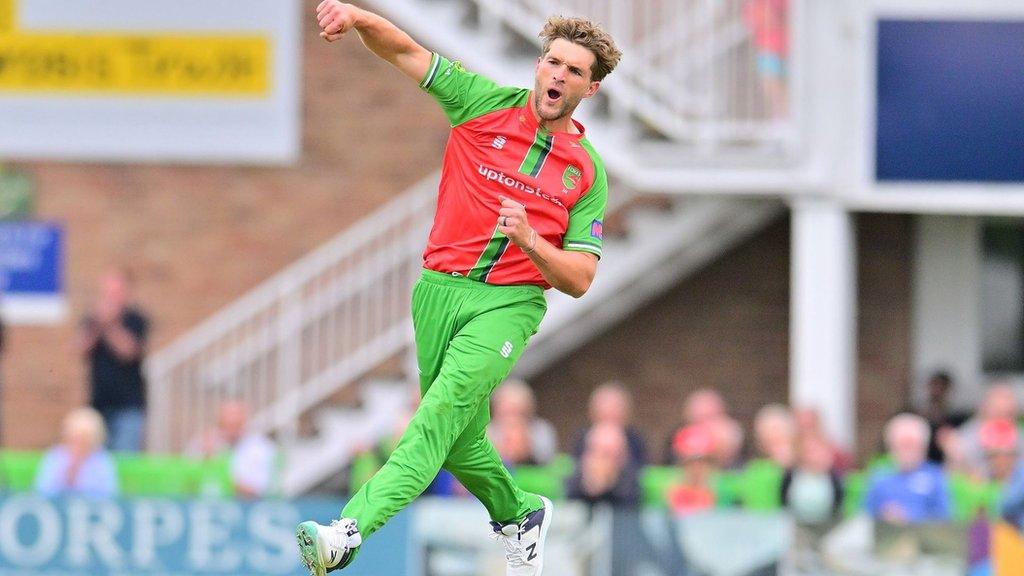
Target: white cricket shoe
{"points": [[524, 543], [327, 548]]}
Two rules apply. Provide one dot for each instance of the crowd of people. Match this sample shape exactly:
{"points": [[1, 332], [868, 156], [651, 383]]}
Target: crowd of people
{"points": [[112, 339], [807, 471], [804, 470]]}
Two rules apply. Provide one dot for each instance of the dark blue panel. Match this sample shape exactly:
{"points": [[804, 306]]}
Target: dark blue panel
{"points": [[950, 101]]}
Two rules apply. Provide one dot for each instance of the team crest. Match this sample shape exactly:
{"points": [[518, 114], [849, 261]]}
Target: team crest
{"points": [[571, 177]]}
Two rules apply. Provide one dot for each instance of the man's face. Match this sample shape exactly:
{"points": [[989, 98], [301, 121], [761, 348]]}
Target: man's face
{"points": [[908, 449], [114, 287], [563, 79]]}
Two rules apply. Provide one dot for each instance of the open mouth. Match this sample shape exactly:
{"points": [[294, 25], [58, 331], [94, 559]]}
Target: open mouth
{"points": [[554, 94]]}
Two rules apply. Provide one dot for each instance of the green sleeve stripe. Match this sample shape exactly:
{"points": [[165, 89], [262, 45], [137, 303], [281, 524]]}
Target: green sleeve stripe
{"points": [[435, 63], [593, 243]]}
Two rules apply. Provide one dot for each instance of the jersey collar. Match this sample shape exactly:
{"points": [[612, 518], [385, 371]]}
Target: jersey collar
{"points": [[529, 119]]}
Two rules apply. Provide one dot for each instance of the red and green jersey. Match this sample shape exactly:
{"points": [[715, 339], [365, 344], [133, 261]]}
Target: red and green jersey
{"points": [[497, 148]]}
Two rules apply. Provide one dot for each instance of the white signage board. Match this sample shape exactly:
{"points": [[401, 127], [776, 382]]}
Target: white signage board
{"points": [[184, 81]]}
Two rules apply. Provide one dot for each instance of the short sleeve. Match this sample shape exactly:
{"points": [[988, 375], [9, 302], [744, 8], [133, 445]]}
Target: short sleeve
{"points": [[586, 218], [464, 95]]}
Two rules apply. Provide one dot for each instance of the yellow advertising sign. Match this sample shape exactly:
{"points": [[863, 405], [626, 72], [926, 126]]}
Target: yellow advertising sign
{"points": [[6, 16], [132, 63], [135, 64]]}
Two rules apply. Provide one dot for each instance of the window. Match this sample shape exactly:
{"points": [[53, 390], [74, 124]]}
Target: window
{"points": [[1002, 296]]}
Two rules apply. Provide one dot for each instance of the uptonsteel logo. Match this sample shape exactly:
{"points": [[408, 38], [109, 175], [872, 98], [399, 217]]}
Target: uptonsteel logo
{"points": [[493, 175]]}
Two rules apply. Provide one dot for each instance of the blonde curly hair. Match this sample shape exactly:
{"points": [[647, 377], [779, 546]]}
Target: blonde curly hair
{"points": [[587, 34]]}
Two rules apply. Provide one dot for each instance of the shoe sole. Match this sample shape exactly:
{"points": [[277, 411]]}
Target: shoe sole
{"points": [[306, 536], [549, 512]]}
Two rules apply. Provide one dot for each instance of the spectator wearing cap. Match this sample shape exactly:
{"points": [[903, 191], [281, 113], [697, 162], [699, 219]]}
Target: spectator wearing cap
{"points": [[694, 448], [1000, 403], [915, 492], [999, 440], [812, 490], [704, 406]]}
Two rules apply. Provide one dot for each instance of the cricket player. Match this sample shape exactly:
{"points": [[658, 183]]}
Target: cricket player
{"points": [[519, 210]]}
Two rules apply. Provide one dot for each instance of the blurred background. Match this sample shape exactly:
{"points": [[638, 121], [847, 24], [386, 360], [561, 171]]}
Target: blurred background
{"points": [[803, 353]]}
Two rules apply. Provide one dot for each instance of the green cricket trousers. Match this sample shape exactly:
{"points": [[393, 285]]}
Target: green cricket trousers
{"points": [[468, 336]]}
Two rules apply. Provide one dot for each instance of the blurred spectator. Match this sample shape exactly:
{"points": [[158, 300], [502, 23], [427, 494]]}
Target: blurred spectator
{"points": [[811, 490], [702, 406], [694, 448], [768, 23], [999, 440], [603, 473], [79, 465], [113, 340], [513, 404], [999, 403], [939, 414], [728, 447], [916, 491], [808, 422], [515, 444], [611, 403], [253, 457], [775, 435]]}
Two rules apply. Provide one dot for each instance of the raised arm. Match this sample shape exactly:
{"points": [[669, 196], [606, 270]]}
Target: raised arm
{"points": [[378, 34]]}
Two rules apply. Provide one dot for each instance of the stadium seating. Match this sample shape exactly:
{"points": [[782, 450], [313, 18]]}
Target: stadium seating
{"points": [[757, 487]]}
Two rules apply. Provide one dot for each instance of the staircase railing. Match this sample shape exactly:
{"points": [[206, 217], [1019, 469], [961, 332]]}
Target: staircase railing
{"points": [[691, 67], [298, 338]]}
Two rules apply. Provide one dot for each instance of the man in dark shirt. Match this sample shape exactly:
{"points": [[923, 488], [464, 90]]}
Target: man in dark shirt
{"points": [[113, 341]]}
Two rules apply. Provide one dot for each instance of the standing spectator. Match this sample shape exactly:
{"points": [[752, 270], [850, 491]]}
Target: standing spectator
{"points": [[811, 489], [941, 417], [768, 23], [916, 491], [79, 465], [612, 404], [113, 340], [512, 404], [694, 447], [775, 435], [702, 406], [603, 473], [253, 457], [999, 403]]}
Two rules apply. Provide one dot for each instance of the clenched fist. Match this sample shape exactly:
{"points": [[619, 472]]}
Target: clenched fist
{"points": [[335, 19]]}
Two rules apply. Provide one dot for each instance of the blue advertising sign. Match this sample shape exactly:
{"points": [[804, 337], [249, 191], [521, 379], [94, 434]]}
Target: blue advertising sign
{"points": [[950, 102], [32, 271], [150, 537]]}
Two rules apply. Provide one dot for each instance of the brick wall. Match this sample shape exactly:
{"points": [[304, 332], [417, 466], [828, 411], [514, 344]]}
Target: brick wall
{"points": [[727, 328], [197, 237]]}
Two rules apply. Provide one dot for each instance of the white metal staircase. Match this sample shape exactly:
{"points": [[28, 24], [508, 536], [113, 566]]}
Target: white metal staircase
{"points": [[329, 320]]}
